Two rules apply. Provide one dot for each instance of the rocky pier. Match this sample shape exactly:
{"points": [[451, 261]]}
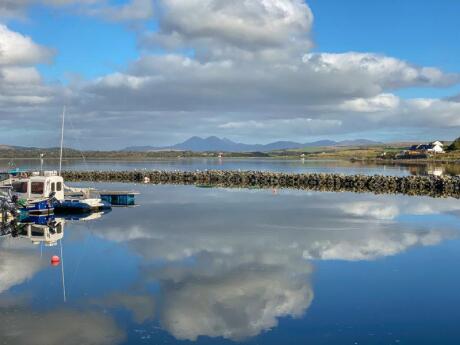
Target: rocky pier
{"points": [[433, 186]]}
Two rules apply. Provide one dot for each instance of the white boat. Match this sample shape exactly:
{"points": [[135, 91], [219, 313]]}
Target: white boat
{"points": [[45, 193], [36, 192]]}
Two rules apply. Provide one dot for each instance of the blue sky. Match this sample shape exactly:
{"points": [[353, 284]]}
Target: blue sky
{"points": [[135, 51], [85, 46]]}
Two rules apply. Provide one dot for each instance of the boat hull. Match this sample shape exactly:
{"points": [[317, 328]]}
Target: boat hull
{"points": [[81, 206], [38, 207]]}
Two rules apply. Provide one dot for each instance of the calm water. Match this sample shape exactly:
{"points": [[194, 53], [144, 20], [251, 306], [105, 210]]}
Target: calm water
{"points": [[219, 266], [294, 166]]}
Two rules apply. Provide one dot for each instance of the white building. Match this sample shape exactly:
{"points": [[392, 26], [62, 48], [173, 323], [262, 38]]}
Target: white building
{"points": [[436, 147]]}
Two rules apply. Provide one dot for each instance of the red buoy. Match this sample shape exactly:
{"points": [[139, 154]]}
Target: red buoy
{"points": [[55, 260]]}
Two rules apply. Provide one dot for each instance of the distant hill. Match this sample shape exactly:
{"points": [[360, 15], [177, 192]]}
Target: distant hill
{"points": [[214, 143]]}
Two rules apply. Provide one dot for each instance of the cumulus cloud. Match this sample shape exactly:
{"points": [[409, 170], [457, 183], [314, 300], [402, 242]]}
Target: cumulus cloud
{"points": [[388, 72], [174, 82], [224, 28], [17, 49], [23, 93]]}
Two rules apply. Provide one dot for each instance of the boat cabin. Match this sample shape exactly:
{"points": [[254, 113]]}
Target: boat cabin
{"points": [[39, 186]]}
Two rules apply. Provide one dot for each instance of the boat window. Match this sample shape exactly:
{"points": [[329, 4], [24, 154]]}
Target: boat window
{"points": [[37, 187], [20, 187], [53, 186], [59, 186]]}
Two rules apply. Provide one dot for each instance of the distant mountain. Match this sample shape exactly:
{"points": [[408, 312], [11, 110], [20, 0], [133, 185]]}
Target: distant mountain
{"points": [[204, 144], [214, 143]]}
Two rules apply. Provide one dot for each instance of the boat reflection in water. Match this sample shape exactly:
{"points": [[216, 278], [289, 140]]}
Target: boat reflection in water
{"points": [[47, 230]]}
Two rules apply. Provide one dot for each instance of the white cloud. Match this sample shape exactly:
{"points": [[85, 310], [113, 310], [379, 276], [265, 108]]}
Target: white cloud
{"points": [[382, 102], [17, 49], [234, 27], [387, 72]]}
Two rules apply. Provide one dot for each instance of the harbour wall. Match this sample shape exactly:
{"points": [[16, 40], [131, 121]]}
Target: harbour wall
{"points": [[433, 186]]}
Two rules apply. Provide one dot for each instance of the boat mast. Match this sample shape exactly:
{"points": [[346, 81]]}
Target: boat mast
{"points": [[62, 140]]}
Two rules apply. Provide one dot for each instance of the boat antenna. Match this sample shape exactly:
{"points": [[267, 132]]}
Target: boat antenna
{"points": [[62, 140]]}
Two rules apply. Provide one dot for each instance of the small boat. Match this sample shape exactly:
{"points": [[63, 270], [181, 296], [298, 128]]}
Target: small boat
{"points": [[35, 193], [45, 193]]}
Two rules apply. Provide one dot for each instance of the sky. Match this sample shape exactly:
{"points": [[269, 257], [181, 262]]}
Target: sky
{"points": [[155, 72]]}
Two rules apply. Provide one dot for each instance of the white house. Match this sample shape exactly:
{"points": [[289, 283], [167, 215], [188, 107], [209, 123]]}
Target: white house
{"points": [[436, 147]]}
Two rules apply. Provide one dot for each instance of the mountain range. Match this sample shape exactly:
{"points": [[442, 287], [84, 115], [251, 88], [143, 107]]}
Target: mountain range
{"points": [[214, 143]]}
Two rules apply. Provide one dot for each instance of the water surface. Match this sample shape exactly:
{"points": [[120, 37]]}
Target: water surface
{"points": [[261, 164], [223, 266]]}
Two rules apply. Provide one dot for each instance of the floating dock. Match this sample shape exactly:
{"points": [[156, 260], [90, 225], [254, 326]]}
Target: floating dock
{"points": [[119, 198]]}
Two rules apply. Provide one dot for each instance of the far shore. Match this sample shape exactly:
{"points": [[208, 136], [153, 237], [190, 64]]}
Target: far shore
{"points": [[375, 154]]}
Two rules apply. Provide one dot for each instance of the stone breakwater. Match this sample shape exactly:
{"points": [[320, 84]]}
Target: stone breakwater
{"points": [[434, 186]]}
